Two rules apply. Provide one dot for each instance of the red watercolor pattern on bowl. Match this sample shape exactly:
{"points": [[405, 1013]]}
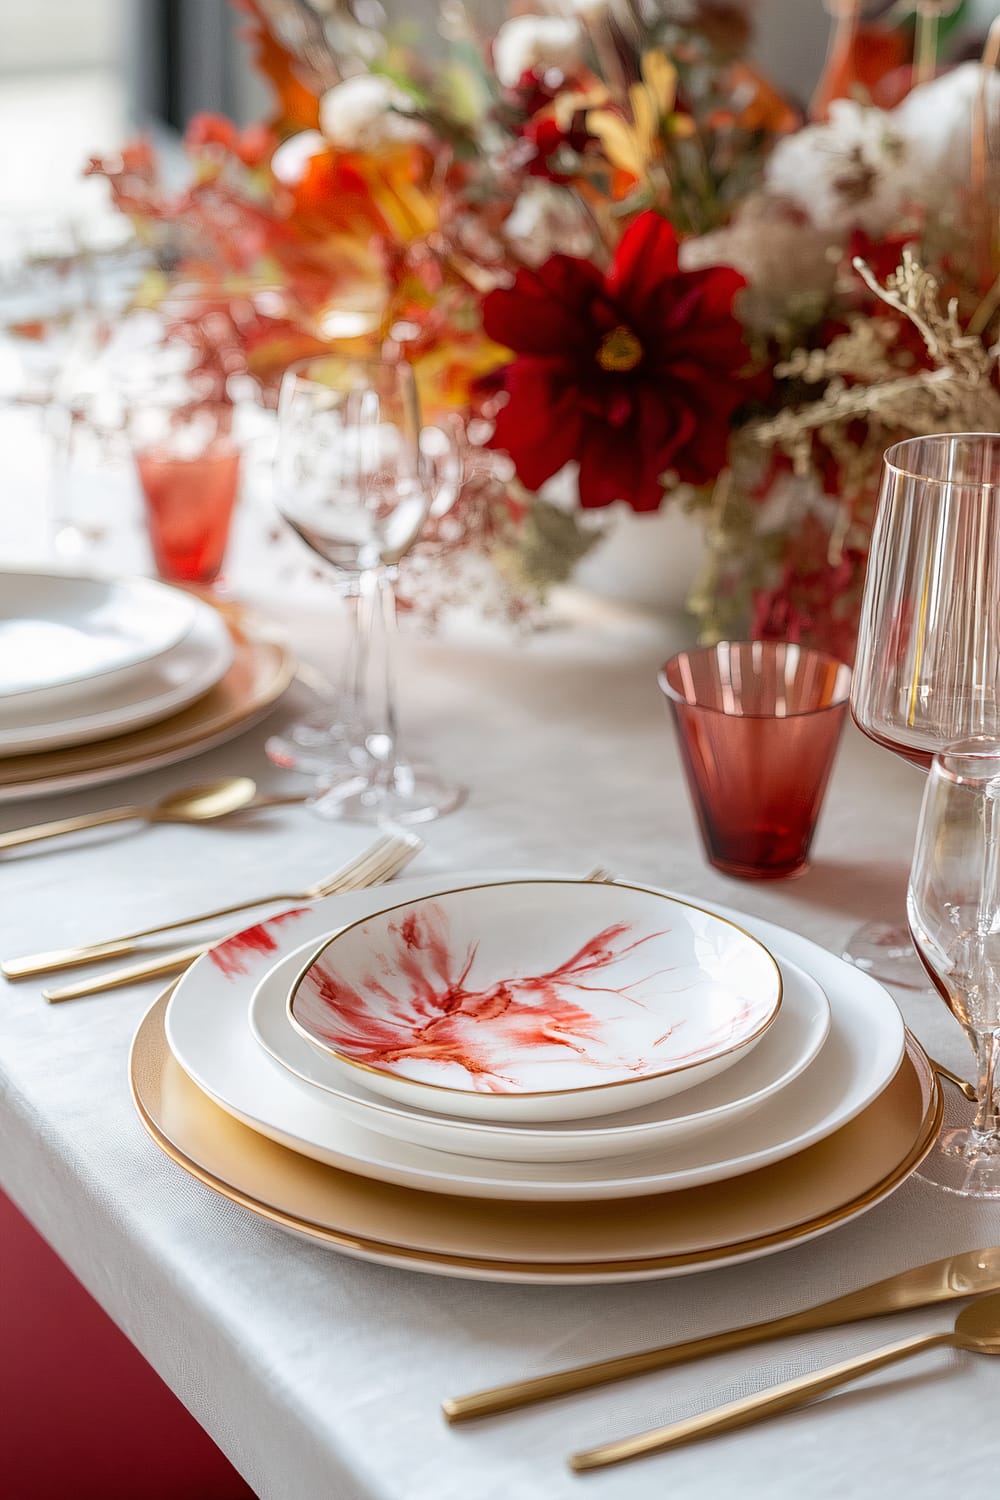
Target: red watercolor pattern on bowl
{"points": [[405, 1001]]}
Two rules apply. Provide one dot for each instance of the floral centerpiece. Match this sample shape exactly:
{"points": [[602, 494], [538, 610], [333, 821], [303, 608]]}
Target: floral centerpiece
{"points": [[613, 251]]}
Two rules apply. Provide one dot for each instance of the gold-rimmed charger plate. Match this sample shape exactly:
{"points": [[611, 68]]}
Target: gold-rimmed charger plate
{"points": [[260, 673], [667, 1235]]}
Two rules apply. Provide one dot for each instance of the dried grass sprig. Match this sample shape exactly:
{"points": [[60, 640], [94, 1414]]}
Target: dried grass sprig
{"points": [[956, 394], [916, 293]]}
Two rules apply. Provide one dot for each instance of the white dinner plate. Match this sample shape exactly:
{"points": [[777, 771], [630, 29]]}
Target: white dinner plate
{"points": [[786, 1050], [261, 671], [57, 629], [672, 1234], [537, 1000], [208, 1030], [163, 686]]}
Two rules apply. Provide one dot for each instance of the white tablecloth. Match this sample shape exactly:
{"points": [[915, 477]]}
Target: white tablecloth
{"points": [[319, 1376]]}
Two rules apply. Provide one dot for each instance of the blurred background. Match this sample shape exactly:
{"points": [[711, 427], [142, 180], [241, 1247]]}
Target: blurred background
{"points": [[77, 76], [80, 79]]}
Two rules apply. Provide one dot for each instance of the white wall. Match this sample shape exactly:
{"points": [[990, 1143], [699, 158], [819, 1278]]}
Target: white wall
{"points": [[47, 35], [791, 41], [792, 37]]}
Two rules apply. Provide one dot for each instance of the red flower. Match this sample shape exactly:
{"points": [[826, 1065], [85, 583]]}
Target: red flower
{"points": [[882, 256], [252, 146], [814, 601], [548, 138], [528, 113], [634, 374]]}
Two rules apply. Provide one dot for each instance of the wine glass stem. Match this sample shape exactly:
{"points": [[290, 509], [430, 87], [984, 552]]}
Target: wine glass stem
{"points": [[987, 1121], [370, 682]]}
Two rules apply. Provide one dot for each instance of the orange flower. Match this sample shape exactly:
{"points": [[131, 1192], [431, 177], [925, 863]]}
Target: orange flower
{"points": [[252, 146], [364, 195], [757, 105], [298, 106]]}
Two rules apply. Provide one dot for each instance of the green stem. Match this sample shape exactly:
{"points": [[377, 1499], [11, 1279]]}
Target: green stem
{"points": [[925, 45]]}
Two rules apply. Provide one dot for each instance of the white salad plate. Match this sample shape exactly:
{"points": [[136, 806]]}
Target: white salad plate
{"points": [[786, 1050], [161, 687], [537, 1000], [57, 630], [208, 1032]]}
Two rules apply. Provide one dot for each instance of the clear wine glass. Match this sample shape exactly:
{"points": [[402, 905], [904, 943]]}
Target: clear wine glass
{"points": [[43, 302], [954, 913], [928, 662], [356, 478]]}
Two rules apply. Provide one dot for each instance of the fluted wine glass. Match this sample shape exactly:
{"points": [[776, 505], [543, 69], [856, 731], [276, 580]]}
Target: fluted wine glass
{"points": [[357, 480], [928, 661], [954, 914]]}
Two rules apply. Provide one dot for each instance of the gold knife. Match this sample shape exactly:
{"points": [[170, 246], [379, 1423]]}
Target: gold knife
{"points": [[179, 958], [966, 1275]]}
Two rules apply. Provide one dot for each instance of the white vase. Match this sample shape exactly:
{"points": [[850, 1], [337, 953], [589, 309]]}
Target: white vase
{"points": [[648, 560]]}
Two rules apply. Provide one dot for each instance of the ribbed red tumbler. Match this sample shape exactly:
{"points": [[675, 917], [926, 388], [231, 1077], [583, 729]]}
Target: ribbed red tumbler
{"points": [[188, 463], [758, 724]]}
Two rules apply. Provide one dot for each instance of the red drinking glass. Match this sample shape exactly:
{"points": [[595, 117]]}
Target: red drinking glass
{"points": [[758, 724], [189, 470]]}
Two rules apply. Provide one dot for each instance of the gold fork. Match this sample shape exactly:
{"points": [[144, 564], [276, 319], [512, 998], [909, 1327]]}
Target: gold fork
{"points": [[179, 958], [401, 846], [374, 867]]}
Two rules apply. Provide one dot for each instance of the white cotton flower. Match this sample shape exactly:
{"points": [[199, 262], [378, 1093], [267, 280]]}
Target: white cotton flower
{"points": [[854, 172], [935, 120], [536, 43], [789, 264], [290, 160], [545, 219], [367, 112]]}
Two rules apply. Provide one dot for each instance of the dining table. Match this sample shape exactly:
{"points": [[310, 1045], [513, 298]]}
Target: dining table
{"points": [[321, 1376]]}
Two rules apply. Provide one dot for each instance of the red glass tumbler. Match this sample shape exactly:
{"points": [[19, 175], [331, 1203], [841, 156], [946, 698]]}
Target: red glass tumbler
{"points": [[189, 472], [758, 724]]}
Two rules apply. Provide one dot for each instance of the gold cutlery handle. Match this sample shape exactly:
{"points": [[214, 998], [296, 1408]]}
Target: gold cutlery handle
{"points": [[518, 1393], [768, 1403], [133, 974], [383, 859], [65, 958], [380, 862], [970, 1273], [71, 958], [20, 836]]}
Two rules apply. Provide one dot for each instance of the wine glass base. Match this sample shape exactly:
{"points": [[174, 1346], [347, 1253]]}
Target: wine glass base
{"points": [[314, 746], [412, 795], [963, 1164], [884, 950]]}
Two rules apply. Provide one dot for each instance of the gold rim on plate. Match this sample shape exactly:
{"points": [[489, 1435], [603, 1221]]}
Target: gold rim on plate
{"points": [[580, 1088], [261, 671], [671, 1233]]}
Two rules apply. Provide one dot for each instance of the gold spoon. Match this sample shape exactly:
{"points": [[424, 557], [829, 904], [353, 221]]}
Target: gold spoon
{"points": [[977, 1330], [197, 804]]}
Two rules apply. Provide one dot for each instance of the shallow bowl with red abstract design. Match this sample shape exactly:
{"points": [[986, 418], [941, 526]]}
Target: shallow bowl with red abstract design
{"points": [[537, 999]]}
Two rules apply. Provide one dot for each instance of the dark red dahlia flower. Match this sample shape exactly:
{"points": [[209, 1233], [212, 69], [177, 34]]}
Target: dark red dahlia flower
{"points": [[635, 374]]}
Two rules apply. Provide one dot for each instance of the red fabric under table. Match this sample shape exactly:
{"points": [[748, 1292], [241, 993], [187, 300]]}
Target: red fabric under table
{"points": [[82, 1415]]}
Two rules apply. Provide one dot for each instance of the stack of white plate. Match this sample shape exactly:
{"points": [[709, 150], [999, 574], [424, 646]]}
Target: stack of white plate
{"points": [[451, 1082], [89, 665]]}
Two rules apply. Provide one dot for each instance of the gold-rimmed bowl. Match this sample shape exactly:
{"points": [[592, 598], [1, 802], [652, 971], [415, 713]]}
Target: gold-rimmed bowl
{"points": [[537, 1000]]}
